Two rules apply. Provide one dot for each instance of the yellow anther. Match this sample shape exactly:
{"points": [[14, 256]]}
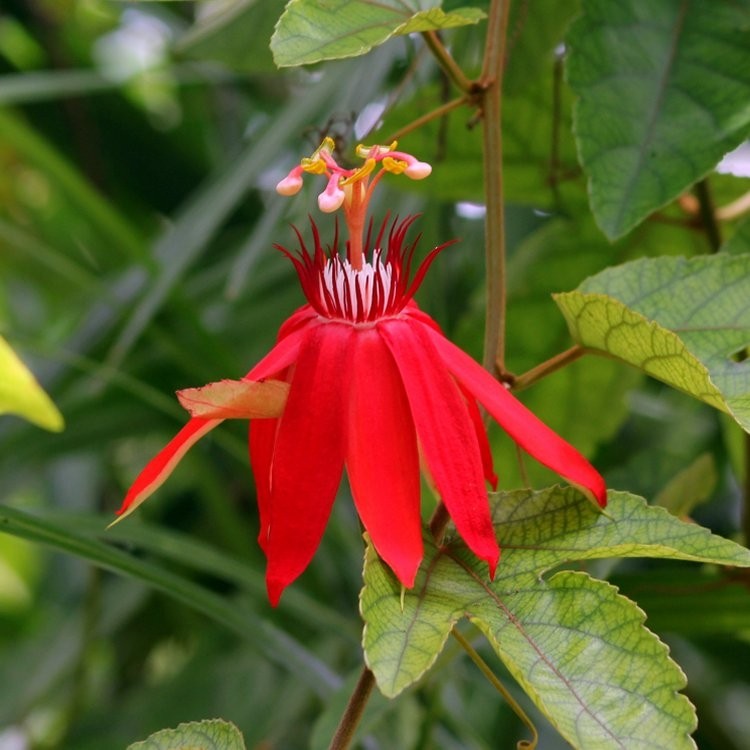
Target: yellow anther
{"points": [[328, 145], [396, 166], [365, 152], [316, 164], [361, 173], [313, 165]]}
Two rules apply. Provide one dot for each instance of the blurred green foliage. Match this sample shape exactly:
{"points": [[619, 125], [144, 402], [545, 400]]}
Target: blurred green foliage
{"points": [[139, 147]]}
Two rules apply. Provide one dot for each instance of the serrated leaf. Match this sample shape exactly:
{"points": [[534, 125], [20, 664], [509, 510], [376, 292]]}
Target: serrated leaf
{"points": [[213, 734], [21, 394], [310, 31], [683, 321], [664, 93], [578, 648]]}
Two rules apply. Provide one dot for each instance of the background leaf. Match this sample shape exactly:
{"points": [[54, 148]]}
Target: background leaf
{"points": [[21, 394], [309, 32], [664, 92], [213, 734], [683, 321], [230, 31], [139, 146], [541, 627]]}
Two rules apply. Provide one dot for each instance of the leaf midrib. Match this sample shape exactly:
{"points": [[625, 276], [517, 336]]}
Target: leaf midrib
{"points": [[519, 627], [653, 116]]}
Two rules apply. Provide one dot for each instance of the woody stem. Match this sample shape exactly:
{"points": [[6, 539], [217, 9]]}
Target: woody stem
{"points": [[353, 712], [490, 102], [547, 367]]}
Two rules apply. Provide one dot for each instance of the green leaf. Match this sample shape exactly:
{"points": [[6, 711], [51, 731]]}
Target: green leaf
{"points": [[233, 614], [664, 93], [21, 394], [538, 31], [578, 648], [677, 603], [22, 88], [108, 226], [683, 321], [310, 31], [689, 487], [213, 734], [739, 242]]}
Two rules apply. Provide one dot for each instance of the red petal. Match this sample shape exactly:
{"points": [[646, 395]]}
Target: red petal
{"points": [[309, 455], [446, 434], [163, 464], [261, 440], [484, 443], [382, 459], [489, 472], [298, 319], [545, 445], [283, 354]]}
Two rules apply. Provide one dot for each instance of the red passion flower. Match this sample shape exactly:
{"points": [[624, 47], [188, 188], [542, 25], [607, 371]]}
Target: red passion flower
{"points": [[360, 378]]}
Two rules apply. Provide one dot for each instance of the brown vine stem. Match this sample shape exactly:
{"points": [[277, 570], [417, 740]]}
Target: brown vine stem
{"points": [[490, 97], [434, 114], [547, 367], [446, 61], [495, 682], [355, 708], [707, 215], [353, 712]]}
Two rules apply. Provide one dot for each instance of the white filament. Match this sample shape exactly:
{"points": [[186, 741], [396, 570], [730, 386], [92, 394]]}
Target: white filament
{"points": [[341, 280]]}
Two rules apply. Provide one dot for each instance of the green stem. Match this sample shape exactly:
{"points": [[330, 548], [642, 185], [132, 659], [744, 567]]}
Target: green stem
{"points": [[495, 682], [490, 103]]}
